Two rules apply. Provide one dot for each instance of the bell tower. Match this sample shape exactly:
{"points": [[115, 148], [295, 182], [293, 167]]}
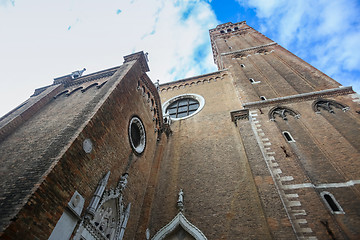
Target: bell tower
{"points": [[261, 68], [294, 114]]}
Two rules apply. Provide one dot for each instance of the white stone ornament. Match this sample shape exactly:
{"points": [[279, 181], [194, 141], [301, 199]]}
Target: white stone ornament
{"points": [[87, 145]]}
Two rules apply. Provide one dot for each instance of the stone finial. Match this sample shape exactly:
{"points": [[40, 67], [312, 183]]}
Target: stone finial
{"points": [[180, 201], [97, 195]]}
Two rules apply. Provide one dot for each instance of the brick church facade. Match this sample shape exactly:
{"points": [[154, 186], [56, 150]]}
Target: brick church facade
{"points": [[267, 147]]}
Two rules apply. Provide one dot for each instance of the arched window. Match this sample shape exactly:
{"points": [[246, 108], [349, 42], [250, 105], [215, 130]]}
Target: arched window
{"points": [[236, 28], [328, 105], [331, 203], [242, 65], [251, 80], [282, 112], [222, 31], [288, 136], [229, 30]]}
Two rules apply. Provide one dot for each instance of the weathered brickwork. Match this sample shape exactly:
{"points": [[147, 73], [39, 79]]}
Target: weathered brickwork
{"points": [[272, 154], [323, 157], [106, 124], [205, 157]]}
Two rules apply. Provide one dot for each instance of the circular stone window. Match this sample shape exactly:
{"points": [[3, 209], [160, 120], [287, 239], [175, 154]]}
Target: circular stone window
{"points": [[137, 135], [183, 106]]}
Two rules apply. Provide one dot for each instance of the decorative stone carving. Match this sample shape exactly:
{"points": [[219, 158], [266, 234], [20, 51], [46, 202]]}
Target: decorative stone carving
{"points": [[282, 112], [179, 221], [123, 181], [109, 219], [97, 195], [239, 115], [328, 105], [87, 145], [76, 204]]}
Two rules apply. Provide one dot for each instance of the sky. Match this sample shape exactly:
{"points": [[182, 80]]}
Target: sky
{"points": [[41, 40]]}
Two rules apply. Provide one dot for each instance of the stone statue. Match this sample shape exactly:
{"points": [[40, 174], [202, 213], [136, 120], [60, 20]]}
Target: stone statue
{"points": [[123, 181], [180, 201], [157, 84]]}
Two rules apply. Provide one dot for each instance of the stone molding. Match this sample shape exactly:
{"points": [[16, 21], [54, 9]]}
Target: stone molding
{"points": [[193, 81], [300, 97], [151, 95], [71, 82], [249, 49], [179, 220], [92, 78], [197, 97]]}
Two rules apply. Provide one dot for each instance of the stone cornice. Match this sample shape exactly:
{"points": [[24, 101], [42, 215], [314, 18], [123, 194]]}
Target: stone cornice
{"points": [[92, 77], [239, 114], [73, 82], [192, 80], [226, 25], [249, 49], [300, 97]]}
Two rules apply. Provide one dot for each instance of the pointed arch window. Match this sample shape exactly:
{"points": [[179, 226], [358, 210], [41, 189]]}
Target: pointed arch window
{"points": [[328, 105], [283, 112]]}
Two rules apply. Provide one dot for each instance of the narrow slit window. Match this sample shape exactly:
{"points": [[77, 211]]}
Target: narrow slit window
{"points": [[288, 136], [263, 98], [331, 202], [242, 65]]}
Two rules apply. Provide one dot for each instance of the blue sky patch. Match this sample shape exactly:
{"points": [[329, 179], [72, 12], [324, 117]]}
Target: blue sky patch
{"points": [[118, 11]]}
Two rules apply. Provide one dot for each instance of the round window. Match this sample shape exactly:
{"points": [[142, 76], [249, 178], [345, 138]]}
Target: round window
{"points": [[137, 135], [183, 106]]}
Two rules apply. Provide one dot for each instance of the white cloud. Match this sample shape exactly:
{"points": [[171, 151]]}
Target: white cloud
{"points": [[43, 39], [5, 3], [324, 33]]}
